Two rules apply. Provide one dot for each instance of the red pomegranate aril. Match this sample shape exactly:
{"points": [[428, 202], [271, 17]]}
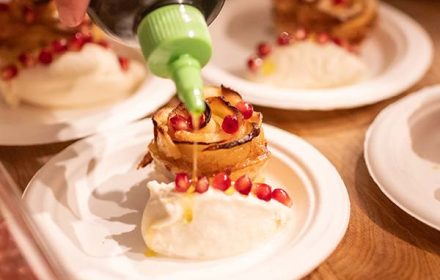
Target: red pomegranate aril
{"points": [[79, 40], [254, 63], [230, 124], [29, 14], [340, 2], [243, 185], [263, 49], [283, 39], [202, 184], [221, 181], [263, 192], [26, 59], [124, 63], [182, 182], [9, 72], [322, 38], [245, 108], [4, 7], [45, 57], [282, 196], [301, 34], [86, 38], [59, 46], [179, 122], [337, 41]]}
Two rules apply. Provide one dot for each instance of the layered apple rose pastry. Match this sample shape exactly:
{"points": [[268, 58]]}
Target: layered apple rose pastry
{"points": [[306, 60], [46, 64], [225, 208], [346, 19]]}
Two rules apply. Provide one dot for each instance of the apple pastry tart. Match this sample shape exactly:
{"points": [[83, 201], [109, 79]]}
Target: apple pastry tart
{"points": [[230, 137]]}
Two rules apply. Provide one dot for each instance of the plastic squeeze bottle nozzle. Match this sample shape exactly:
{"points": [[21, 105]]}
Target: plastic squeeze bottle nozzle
{"points": [[173, 36]]}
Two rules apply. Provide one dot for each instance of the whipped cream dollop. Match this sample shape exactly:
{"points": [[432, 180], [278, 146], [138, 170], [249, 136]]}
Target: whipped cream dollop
{"points": [[89, 77], [310, 65], [208, 225]]}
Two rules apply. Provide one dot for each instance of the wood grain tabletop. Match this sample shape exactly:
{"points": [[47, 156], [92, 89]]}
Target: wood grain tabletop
{"points": [[382, 241]]}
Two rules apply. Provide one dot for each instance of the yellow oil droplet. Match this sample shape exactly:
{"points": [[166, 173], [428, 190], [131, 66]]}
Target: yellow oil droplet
{"points": [[150, 253], [230, 190], [278, 222], [187, 208], [268, 67], [187, 215]]}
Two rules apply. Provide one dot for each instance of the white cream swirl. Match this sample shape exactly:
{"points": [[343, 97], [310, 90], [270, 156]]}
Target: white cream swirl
{"points": [[209, 225], [310, 65], [89, 77]]}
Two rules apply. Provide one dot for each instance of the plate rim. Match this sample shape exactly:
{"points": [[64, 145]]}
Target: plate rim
{"points": [[341, 215], [167, 92], [303, 102], [384, 114]]}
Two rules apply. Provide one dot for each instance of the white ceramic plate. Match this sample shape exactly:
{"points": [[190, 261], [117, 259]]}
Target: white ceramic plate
{"points": [[88, 202], [30, 125], [402, 152], [398, 52]]}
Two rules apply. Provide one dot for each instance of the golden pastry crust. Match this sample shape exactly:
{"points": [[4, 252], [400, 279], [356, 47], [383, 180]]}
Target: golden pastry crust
{"points": [[350, 20], [243, 152]]}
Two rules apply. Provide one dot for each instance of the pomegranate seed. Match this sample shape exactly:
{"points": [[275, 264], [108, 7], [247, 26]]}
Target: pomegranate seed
{"points": [[282, 196], [78, 41], [26, 59], [221, 181], [182, 182], [9, 72], [45, 57], [301, 34], [337, 41], [202, 184], [59, 46], [340, 2], [254, 63], [322, 38], [283, 39], [230, 124], [179, 122], [263, 192], [124, 63], [263, 49], [29, 14], [243, 185], [4, 7], [103, 43], [246, 109]]}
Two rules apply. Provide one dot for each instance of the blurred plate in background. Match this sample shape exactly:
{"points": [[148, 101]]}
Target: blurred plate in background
{"points": [[398, 52]]}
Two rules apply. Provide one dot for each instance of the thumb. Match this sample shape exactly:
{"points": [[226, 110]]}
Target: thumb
{"points": [[72, 11]]}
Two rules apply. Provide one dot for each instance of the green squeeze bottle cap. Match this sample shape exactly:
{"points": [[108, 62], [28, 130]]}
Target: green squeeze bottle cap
{"points": [[176, 43]]}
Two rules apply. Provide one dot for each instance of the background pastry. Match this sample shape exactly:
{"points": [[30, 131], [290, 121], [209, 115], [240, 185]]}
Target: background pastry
{"points": [[46, 64], [347, 19]]}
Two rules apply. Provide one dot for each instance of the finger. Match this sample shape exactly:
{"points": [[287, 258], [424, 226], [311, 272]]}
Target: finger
{"points": [[72, 11]]}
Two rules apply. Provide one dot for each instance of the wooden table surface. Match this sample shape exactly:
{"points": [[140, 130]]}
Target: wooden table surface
{"points": [[382, 241]]}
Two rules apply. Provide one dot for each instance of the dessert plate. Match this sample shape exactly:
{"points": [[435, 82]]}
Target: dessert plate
{"points": [[402, 152], [30, 125], [89, 199], [397, 52]]}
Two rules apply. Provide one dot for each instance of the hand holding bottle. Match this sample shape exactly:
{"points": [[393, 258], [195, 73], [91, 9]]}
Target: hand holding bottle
{"points": [[72, 11]]}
